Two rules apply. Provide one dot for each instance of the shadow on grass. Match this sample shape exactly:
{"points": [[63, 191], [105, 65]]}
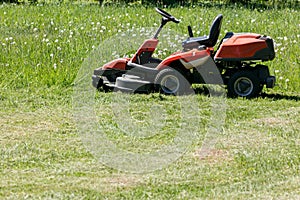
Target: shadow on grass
{"points": [[203, 90], [281, 96]]}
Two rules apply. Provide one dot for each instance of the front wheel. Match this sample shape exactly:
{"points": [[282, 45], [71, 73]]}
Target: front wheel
{"points": [[170, 82], [244, 84]]}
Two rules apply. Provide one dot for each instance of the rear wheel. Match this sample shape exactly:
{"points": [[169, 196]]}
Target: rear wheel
{"points": [[171, 82], [244, 84]]}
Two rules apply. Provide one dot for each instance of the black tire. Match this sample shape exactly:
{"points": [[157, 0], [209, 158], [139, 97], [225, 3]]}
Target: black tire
{"points": [[244, 84], [171, 82]]}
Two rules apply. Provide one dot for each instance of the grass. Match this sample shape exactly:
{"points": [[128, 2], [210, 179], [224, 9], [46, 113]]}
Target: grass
{"points": [[43, 155]]}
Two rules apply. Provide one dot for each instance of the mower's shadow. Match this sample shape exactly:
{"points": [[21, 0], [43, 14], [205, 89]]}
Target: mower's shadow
{"points": [[280, 97], [273, 96]]}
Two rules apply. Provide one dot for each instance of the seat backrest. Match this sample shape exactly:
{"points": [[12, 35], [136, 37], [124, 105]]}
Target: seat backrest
{"points": [[215, 30]]}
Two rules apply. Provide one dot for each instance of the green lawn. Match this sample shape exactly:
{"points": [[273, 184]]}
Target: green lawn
{"points": [[45, 154]]}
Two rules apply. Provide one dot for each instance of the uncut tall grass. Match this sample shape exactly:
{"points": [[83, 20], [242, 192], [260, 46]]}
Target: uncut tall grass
{"points": [[43, 46]]}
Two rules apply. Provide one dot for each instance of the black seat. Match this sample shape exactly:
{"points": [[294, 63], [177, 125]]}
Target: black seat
{"points": [[208, 41]]}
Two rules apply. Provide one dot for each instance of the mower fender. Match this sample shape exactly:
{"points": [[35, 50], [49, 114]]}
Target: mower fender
{"points": [[188, 59], [119, 64]]}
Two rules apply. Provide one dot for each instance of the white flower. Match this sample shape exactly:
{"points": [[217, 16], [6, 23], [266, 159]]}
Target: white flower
{"points": [[287, 80], [276, 71], [55, 66], [51, 55]]}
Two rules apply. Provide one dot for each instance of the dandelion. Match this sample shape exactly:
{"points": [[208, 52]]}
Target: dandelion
{"points": [[280, 78], [282, 48], [55, 66], [56, 41], [51, 55], [58, 48], [287, 80]]}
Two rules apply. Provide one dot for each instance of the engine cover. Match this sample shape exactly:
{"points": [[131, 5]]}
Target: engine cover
{"points": [[245, 46]]}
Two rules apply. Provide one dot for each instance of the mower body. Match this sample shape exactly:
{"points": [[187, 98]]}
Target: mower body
{"points": [[198, 63]]}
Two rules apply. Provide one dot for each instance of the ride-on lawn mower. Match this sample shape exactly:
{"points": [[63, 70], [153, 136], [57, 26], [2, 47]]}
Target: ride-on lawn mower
{"points": [[234, 61]]}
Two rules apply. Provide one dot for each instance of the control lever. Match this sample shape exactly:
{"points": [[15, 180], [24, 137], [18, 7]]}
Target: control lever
{"points": [[190, 31]]}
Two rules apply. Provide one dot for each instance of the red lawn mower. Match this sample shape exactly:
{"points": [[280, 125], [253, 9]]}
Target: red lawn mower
{"points": [[233, 63]]}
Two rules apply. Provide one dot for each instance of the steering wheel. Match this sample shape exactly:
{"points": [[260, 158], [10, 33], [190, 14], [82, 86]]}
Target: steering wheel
{"points": [[167, 16]]}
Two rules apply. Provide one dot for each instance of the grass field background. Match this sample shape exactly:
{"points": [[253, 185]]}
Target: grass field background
{"points": [[42, 47]]}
